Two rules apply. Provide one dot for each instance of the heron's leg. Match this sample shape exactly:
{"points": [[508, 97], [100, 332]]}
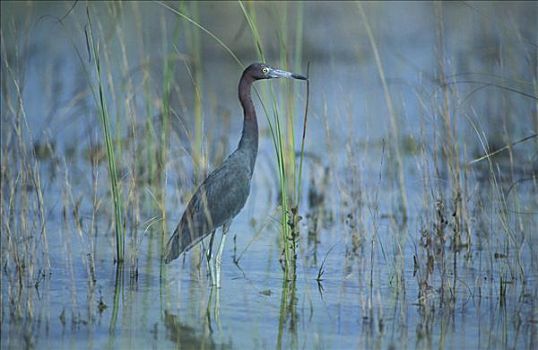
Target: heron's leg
{"points": [[218, 258], [208, 255]]}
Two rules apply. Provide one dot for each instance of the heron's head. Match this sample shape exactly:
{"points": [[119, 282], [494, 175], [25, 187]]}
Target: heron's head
{"points": [[263, 71]]}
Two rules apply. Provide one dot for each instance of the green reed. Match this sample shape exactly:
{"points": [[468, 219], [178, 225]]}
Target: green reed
{"points": [[168, 69], [193, 39], [283, 136], [105, 120]]}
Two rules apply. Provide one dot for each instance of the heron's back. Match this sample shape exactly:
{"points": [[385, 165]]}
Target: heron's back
{"points": [[218, 200]]}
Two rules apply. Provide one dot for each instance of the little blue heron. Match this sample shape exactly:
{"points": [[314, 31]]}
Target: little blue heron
{"points": [[224, 192]]}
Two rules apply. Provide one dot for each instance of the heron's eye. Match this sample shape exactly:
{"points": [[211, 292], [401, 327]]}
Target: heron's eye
{"points": [[265, 70]]}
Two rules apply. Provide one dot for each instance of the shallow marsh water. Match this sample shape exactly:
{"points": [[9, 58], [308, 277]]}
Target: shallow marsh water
{"points": [[453, 267]]}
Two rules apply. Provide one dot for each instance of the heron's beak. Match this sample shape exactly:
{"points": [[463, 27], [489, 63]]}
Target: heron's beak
{"points": [[277, 73]]}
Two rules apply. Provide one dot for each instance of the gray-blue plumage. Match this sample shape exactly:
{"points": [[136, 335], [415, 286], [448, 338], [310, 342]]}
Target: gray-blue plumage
{"points": [[224, 192], [218, 199]]}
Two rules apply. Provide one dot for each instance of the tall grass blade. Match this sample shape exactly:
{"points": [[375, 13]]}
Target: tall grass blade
{"points": [[305, 120], [105, 119], [392, 114]]}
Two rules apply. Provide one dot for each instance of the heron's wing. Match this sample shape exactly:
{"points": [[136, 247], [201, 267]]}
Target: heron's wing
{"points": [[218, 199]]}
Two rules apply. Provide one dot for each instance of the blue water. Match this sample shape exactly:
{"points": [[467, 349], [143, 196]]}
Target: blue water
{"points": [[376, 290]]}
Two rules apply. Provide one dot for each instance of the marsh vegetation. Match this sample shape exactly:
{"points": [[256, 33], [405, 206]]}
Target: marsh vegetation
{"points": [[399, 210]]}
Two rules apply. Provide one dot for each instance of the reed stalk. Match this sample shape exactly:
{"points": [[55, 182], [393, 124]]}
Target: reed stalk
{"points": [[287, 235], [105, 120], [393, 118]]}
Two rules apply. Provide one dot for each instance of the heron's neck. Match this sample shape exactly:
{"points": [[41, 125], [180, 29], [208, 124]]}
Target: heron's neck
{"points": [[249, 138]]}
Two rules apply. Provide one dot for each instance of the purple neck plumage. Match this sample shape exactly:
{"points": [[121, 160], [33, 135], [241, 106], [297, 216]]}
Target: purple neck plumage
{"points": [[249, 138]]}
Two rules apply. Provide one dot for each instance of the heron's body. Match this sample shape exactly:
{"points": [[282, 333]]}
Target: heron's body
{"points": [[224, 192]]}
